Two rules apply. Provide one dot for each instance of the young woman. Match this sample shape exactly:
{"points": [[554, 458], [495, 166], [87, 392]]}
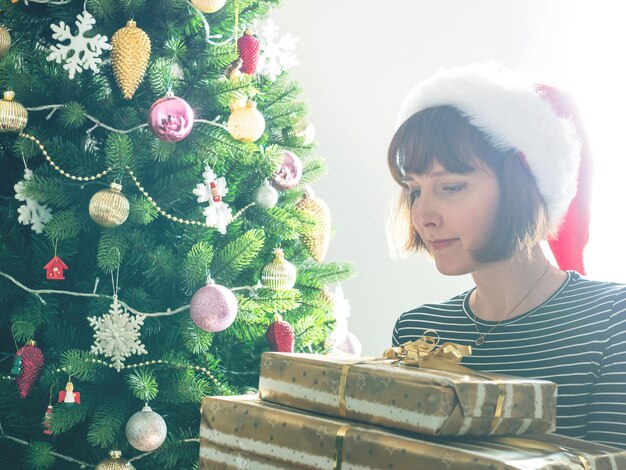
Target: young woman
{"points": [[487, 170]]}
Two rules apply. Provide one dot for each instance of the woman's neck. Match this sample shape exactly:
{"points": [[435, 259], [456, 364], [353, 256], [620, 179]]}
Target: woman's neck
{"points": [[506, 289]]}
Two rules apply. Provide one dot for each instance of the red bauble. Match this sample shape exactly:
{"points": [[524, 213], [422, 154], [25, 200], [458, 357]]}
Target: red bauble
{"points": [[171, 118], [32, 363], [248, 47], [280, 335]]}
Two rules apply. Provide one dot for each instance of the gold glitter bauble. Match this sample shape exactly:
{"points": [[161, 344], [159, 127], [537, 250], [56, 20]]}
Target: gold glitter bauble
{"points": [[13, 116], [109, 207], [116, 462], [130, 54], [318, 239], [280, 274], [5, 41], [208, 6], [246, 123]]}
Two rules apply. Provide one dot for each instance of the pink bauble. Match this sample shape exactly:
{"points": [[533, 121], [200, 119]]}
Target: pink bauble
{"points": [[213, 308], [289, 173], [351, 345], [171, 118]]}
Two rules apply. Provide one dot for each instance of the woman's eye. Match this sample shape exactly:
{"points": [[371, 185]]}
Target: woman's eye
{"points": [[454, 188]]}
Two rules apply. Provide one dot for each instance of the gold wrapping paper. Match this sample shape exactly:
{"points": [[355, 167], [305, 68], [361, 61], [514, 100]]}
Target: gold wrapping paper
{"points": [[213, 457], [258, 434], [420, 400]]}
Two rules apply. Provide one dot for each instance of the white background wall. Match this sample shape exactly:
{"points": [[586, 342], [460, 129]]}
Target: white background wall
{"points": [[358, 59]]}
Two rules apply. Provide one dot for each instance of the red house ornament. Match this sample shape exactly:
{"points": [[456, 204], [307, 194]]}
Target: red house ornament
{"points": [[54, 269]]}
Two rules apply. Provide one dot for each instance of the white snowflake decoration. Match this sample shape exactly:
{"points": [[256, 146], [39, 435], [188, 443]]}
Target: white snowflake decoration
{"points": [[31, 212], [276, 53], [81, 53], [117, 334], [217, 214]]}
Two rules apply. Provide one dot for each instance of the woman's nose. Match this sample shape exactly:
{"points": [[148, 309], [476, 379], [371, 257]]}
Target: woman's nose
{"points": [[425, 213]]}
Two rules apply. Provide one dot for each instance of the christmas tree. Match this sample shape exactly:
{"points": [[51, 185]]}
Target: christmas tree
{"points": [[157, 232]]}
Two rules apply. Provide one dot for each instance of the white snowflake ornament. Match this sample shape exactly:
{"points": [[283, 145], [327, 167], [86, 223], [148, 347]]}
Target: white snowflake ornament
{"points": [[31, 212], [117, 334], [81, 53], [217, 214], [276, 53]]}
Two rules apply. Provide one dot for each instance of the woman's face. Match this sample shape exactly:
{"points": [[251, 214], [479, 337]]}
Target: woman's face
{"points": [[453, 214]]}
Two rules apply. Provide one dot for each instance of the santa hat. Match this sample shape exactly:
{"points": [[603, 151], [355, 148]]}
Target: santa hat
{"points": [[538, 122]]}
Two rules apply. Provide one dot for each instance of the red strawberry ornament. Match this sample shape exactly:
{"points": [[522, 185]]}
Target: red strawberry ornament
{"points": [[280, 335], [32, 363]]}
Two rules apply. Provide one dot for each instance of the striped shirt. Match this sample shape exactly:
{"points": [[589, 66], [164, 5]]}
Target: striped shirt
{"points": [[576, 338]]}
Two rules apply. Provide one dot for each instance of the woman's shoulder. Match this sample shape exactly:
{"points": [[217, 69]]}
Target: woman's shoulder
{"points": [[582, 284], [452, 307], [612, 293]]}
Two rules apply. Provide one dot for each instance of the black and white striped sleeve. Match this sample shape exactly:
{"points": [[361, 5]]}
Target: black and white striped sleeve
{"points": [[607, 410]]}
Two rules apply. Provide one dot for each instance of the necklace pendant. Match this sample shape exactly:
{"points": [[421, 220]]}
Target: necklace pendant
{"points": [[480, 340]]}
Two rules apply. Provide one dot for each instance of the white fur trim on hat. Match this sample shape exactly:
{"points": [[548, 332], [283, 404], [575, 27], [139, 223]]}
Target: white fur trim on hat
{"points": [[513, 113]]}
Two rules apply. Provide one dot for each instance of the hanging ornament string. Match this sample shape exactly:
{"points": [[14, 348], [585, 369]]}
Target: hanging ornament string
{"points": [[174, 218], [39, 292], [13, 332], [135, 180], [98, 123], [154, 362], [61, 170], [48, 2]]}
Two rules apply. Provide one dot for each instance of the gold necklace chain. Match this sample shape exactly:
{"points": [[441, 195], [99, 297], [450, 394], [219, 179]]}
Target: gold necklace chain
{"points": [[482, 336]]}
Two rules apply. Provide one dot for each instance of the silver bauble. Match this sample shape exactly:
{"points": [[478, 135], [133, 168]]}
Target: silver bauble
{"points": [[266, 196], [146, 430]]}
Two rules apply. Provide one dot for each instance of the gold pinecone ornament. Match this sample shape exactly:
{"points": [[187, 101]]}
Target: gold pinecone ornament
{"points": [[280, 274], [5, 41], [130, 54], [115, 462], [245, 123], [13, 116], [318, 239], [208, 6], [109, 208]]}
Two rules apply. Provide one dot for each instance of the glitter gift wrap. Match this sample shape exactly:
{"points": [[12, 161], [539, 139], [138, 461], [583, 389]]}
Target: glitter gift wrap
{"points": [[428, 401], [245, 432]]}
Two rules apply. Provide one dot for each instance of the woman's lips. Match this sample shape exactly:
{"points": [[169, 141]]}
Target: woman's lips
{"points": [[438, 245]]}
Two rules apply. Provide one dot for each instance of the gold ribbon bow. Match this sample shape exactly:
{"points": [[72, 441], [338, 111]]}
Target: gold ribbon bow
{"points": [[424, 352]]}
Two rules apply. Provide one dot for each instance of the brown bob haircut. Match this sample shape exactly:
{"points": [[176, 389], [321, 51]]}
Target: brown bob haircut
{"points": [[444, 135]]}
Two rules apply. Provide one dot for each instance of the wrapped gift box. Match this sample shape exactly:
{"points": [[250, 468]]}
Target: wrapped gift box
{"points": [[245, 432], [214, 457], [428, 401]]}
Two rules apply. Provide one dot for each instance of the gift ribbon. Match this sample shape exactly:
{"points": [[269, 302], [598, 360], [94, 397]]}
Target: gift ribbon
{"points": [[532, 444], [341, 434], [425, 353]]}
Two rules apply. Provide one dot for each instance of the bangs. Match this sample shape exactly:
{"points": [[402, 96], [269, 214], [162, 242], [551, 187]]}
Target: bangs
{"points": [[439, 134]]}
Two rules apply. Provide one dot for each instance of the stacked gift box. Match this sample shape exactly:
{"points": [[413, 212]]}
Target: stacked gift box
{"points": [[345, 412]]}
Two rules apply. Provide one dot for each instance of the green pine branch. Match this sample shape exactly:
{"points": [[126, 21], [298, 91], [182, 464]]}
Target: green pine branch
{"points": [[237, 255], [109, 416], [318, 275], [143, 384], [40, 456]]}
